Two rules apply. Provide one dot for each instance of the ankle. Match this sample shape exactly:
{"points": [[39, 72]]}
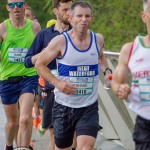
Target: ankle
{"points": [[9, 147], [30, 147]]}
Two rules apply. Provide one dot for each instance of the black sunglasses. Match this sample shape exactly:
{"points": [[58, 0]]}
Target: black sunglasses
{"points": [[18, 4]]}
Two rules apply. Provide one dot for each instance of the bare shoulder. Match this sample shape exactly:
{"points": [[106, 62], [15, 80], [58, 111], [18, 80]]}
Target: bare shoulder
{"points": [[125, 52], [35, 27], [59, 40], [126, 48], [2, 31], [99, 37], [100, 41]]}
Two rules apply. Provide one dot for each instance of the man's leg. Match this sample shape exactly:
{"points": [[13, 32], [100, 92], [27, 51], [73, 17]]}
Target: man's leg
{"points": [[74, 144], [52, 143], [85, 142], [63, 131], [87, 127], [11, 126], [36, 114], [41, 101], [26, 102]]}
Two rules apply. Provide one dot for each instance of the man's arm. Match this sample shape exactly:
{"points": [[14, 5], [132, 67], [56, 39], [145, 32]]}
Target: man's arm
{"points": [[35, 27], [2, 31], [54, 49], [119, 85], [34, 51], [2, 34], [102, 59]]}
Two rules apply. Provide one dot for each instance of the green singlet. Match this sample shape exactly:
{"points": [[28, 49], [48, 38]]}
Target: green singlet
{"points": [[13, 51]]}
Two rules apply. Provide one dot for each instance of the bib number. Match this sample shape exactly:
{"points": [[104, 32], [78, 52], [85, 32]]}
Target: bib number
{"points": [[144, 87], [17, 55], [84, 85]]}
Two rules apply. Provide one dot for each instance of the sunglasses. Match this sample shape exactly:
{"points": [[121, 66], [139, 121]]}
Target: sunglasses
{"points": [[18, 4]]}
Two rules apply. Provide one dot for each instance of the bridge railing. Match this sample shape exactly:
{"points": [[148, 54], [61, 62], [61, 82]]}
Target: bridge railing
{"points": [[115, 117]]}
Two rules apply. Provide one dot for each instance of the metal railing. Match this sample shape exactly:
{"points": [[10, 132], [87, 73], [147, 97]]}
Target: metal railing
{"points": [[109, 53], [115, 117]]}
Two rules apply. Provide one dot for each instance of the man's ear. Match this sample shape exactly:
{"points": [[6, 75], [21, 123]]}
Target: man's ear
{"points": [[55, 11], [143, 16], [26, 5], [7, 7]]}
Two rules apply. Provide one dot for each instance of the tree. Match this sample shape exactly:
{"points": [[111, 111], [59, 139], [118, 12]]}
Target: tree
{"points": [[118, 21]]}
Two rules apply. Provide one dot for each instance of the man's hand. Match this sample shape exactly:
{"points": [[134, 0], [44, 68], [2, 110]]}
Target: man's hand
{"points": [[66, 87], [123, 91]]}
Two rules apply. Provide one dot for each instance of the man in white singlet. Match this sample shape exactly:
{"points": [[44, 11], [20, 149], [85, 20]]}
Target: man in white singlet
{"points": [[78, 54], [134, 58]]}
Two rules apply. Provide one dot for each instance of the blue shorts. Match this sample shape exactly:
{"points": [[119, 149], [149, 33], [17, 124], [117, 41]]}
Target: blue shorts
{"points": [[10, 92], [66, 121]]}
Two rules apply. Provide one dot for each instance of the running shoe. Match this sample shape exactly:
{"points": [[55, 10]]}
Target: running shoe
{"points": [[31, 144], [41, 131], [8, 147], [30, 147]]}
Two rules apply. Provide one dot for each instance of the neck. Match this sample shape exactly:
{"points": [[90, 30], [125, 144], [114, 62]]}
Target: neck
{"points": [[81, 35], [146, 40], [59, 26], [17, 23]]}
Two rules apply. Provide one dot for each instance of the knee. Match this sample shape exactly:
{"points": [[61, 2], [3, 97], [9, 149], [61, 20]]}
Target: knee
{"points": [[24, 122], [85, 147], [12, 124]]}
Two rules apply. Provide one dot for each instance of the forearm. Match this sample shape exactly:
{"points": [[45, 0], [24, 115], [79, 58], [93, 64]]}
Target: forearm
{"points": [[103, 63], [34, 58], [45, 72], [30, 60], [115, 86]]}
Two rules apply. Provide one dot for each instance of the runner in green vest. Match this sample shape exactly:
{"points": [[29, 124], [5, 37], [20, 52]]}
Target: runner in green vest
{"points": [[17, 83]]}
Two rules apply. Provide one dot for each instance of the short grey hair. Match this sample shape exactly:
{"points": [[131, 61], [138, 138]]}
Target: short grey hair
{"points": [[82, 4], [145, 5]]}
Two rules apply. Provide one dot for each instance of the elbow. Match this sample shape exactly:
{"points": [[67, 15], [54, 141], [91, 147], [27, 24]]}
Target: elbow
{"points": [[28, 63], [36, 66]]}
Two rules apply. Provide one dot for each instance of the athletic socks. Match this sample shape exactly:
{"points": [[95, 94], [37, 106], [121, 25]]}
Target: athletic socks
{"points": [[8, 147], [30, 147]]}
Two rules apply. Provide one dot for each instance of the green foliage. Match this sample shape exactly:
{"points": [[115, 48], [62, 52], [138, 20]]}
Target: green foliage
{"points": [[118, 21]]}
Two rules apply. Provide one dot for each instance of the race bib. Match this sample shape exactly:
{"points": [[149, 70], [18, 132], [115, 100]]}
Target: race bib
{"points": [[54, 72], [17, 55], [144, 87], [84, 85]]}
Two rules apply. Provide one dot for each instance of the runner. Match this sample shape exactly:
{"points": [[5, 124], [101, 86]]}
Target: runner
{"points": [[17, 83], [78, 52], [61, 10], [134, 59]]}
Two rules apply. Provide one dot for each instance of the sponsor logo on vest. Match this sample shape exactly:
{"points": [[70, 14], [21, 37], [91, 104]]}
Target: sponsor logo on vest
{"points": [[139, 60]]}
